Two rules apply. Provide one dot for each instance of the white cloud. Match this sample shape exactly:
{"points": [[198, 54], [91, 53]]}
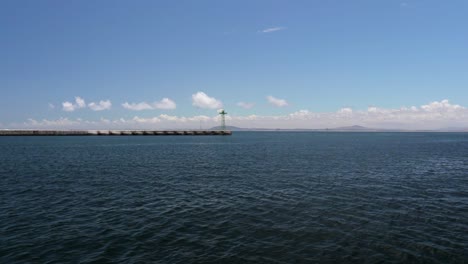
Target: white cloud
{"points": [[345, 111], [162, 121], [300, 115], [165, 103], [443, 105], [273, 29], [152, 120], [80, 102], [245, 105], [105, 121], [102, 105], [202, 100], [170, 118], [51, 106], [70, 107], [61, 122], [184, 119], [434, 115], [137, 106], [276, 101]]}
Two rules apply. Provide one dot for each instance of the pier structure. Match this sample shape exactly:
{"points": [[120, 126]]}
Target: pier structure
{"points": [[115, 133]]}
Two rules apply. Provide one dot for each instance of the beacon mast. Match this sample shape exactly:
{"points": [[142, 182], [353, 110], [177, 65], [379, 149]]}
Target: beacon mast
{"points": [[223, 119]]}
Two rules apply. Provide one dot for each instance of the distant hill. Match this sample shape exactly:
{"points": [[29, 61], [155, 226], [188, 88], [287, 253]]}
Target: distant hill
{"points": [[453, 129], [347, 128], [354, 128], [232, 128], [357, 128]]}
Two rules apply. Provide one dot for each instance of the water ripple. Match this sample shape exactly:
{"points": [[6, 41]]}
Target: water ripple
{"points": [[248, 198]]}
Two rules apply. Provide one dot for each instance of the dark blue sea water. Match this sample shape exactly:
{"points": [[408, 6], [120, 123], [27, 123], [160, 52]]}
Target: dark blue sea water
{"points": [[253, 197]]}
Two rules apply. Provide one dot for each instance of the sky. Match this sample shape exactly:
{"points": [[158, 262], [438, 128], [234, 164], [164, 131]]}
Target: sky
{"points": [[270, 64]]}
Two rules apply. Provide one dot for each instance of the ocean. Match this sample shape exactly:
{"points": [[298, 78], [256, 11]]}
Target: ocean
{"points": [[253, 197]]}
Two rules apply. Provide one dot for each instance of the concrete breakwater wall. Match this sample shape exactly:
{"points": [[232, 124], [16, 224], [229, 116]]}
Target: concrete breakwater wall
{"points": [[115, 133]]}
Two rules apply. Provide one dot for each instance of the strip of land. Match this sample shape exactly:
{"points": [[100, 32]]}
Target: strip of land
{"points": [[115, 133]]}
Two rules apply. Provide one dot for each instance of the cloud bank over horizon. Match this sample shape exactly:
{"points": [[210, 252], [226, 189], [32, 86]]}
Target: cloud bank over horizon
{"points": [[434, 115]]}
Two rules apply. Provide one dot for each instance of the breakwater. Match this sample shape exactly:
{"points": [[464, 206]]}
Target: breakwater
{"points": [[115, 133]]}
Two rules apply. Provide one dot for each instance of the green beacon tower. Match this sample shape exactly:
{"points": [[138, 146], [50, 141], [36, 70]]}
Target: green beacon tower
{"points": [[223, 119]]}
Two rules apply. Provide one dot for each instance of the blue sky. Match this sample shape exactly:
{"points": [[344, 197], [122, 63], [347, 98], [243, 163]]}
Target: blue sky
{"points": [[319, 56]]}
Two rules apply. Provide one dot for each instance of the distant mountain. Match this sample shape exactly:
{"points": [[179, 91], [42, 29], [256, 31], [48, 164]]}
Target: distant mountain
{"points": [[232, 128], [354, 128], [347, 129], [453, 129]]}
